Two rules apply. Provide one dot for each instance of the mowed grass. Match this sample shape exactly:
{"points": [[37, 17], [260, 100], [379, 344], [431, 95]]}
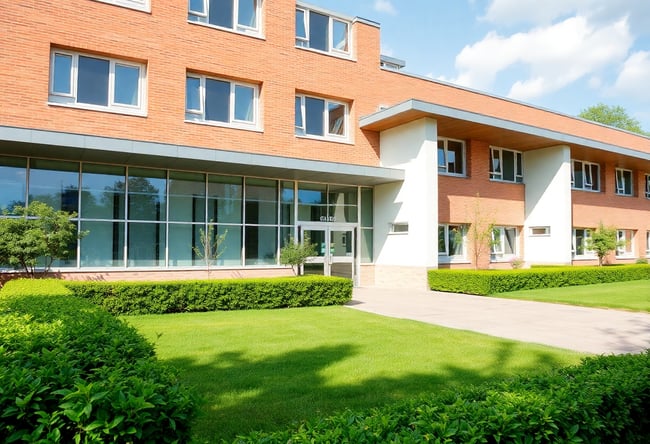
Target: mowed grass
{"points": [[632, 295], [264, 370]]}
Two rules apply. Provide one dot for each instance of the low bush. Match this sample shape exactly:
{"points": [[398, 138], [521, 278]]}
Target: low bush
{"points": [[605, 399], [485, 282], [71, 372], [121, 298]]}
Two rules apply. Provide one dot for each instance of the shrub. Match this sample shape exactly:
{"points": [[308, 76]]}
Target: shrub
{"points": [[73, 373], [605, 399], [121, 298], [484, 282]]}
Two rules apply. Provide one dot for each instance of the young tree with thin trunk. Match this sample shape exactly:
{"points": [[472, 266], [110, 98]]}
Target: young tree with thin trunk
{"points": [[479, 234]]}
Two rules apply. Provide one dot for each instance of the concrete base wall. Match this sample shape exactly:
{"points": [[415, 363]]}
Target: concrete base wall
{"points": [[395, 276]]}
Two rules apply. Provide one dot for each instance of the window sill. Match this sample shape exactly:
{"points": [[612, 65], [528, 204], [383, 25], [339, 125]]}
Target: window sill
{"points": [[587, 191], [460, 176], [507, 181], [337, 55], [135, 5], [585, 258], [103, 109], [345, 141], [452, 260], [226, 125], [624, 195], [245, 32]]}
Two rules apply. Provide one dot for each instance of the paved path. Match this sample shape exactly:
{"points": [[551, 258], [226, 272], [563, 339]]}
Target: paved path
{"points": [[591, 330]]}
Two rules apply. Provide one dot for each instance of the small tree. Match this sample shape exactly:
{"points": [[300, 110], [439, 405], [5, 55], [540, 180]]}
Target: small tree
{"points": [[480, 231], [35, 235], [296, 254], [602, 242], [210, 249]]}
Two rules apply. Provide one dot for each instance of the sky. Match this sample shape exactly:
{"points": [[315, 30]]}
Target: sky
{"points": [[563, 55]]}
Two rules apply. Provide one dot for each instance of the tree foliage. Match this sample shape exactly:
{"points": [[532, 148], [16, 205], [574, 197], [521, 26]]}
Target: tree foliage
{"points": [[35, 236], [480, 233], [602, 242], [296, 254], [615, 116], [211, 245]]}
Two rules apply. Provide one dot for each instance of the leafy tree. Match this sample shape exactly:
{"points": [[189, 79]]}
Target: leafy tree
{"points": [[296, 254], [480, 232], [602, 242], [615, 116], [36, 234], [210, 249]]}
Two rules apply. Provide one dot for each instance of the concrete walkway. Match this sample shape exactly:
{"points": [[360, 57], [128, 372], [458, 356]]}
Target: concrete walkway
{"points": [[591, 330]]}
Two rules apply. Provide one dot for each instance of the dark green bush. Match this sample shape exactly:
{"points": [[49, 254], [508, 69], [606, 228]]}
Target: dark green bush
{"points": [[230, 294], [484, 282], [71, 372], [604, 400]]}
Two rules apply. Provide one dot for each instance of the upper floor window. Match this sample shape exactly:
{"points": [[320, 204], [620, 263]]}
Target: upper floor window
{"points": [[451, 157], [141, 5], [221, 101], [581, 243], [623, 182], [504, 242], [625, 247], [585, 175], [99, 83], [451, 239], [238, 15], [506, 165], [322, 32], [321, 117], [647, 186]]}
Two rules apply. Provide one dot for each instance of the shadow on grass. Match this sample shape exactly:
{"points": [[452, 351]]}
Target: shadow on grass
{"points": [[243, 394]]}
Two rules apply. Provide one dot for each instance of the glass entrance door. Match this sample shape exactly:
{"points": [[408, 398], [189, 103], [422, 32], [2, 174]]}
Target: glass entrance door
{"points": [[335, 252]]}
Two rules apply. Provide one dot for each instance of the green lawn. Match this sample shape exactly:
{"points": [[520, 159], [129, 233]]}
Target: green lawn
{"points": [[266, 369], [632, 295]]}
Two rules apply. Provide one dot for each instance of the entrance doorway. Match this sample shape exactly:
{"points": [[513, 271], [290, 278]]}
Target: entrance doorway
{"points": [[335, 249]]}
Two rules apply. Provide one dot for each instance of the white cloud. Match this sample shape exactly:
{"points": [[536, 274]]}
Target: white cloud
{"points": [[632, 81], [385, 6], [509, 12]]}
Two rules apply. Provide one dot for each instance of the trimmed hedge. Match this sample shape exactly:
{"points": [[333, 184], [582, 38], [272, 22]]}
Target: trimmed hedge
{"points": [[136, 298], [71, 372], [605, 399], [485, 282]]}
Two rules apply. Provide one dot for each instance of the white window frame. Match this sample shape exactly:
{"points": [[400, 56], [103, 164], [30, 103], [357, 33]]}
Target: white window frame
{"points": [[625, 240], [497, 250], [303, 42], [588, 254], [444, 255], [444, 169], [624, 177], [198, 115], [588, 179], [498, 175], [139, 5], [202, 17], [399, 228], [647, 186], [70, 99], [300, 131]]}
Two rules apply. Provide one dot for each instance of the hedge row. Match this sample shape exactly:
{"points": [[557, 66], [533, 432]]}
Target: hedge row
{"points": [[137, 298], [604, 400], [485, 282], [71, 372]]}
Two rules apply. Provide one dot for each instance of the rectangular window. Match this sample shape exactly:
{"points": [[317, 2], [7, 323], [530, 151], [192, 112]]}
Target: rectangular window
{"points": [[504, 242], [585, 175], [506, 165], [13, 183], [580, 245], [221, 101], [140, 5], [623, 182], [647, 243], [316, 117], [322, 32], [647, 186], [451, 240], [625, 239], [237, 15], [540, 231], [97, 83], [399, 228], [451, 157]]}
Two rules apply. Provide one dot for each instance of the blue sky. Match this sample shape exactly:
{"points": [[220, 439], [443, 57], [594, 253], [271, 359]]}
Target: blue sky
{"points": [[564, 55]]}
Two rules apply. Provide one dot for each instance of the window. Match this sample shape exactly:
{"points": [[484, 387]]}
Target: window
{"points": [[141, 5], [451, 157], [451, 239], [647, 243], [321, 118], [540, 231], [581, 239], [504, 242], [585, 175], [238, 15], [647, 186], [623, 182], [506, 165], [97, 83], [221, 101], [625, 239], [399, 228], [320, 31]]}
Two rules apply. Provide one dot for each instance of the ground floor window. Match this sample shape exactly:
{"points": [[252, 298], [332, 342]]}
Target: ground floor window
{"points": [[580, 245], [647, 243], [625, 247], [504, 243], [451, 241]]}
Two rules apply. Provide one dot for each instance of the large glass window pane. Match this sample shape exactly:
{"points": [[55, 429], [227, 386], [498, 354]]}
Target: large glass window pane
{"points": [[147, 194], [366, 245], [340, 35], [193, 94], [442, 239], [230, 248], [92, 81], [577, 175], [186, 197], [220, 13], [244, 103], [343, 203], [595, 176], [103, 191], [225, 199], [13, 182], [61, 76], [217, 100], [261, 201], [367, 207], [508, 158], [183, 239], [455, 240], [55, 183], [103, 246], [287, 199], [455, 159], [314, 112], [247, 13], [336, 115], [261, 245], [146, 244], [127, 80], [312, 202], [318, 31]]}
